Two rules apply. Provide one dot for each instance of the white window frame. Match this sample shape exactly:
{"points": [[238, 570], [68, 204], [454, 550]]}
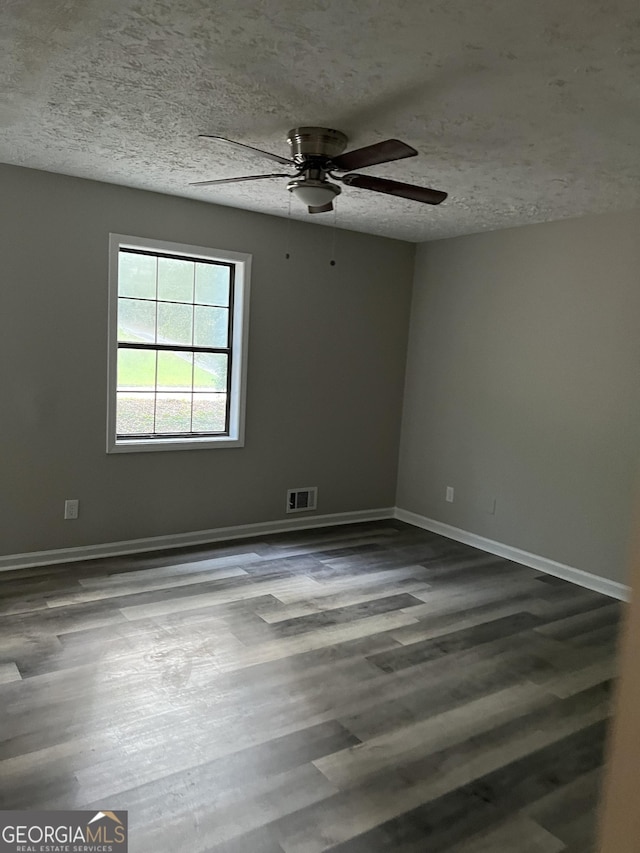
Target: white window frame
{"points": [[242, 264]]}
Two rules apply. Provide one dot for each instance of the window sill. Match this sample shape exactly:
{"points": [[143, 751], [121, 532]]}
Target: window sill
{"points": [[145, 446]]}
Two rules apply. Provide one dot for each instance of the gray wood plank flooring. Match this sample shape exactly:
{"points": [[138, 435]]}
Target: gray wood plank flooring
{"points": [[360, 689]]}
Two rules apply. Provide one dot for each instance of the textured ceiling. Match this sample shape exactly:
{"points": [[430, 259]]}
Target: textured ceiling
{"points": [[523, 111]]}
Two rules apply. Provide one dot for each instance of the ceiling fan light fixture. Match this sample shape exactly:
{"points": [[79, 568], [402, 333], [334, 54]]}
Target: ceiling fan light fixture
{"points": [[313, 193]]}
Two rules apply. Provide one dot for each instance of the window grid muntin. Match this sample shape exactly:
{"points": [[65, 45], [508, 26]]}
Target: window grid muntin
{"points": [[157, 347]]}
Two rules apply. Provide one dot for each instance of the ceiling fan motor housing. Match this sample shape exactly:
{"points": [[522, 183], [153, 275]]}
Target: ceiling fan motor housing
{"points": [[310, 142]]}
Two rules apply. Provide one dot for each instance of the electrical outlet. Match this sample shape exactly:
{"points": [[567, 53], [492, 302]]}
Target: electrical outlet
{"points": [[449, 494], [71, 509]]}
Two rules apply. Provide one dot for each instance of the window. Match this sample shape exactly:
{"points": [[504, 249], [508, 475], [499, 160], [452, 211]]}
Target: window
{"points": [[177, 346]]}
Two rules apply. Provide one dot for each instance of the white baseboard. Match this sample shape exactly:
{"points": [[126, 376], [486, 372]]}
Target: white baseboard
{"points": [[179, 540], [533, 561], [264, 528]]}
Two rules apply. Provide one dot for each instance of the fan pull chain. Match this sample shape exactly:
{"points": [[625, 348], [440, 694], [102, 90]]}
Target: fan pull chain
{"points": [[287, 254], [332, 262]]}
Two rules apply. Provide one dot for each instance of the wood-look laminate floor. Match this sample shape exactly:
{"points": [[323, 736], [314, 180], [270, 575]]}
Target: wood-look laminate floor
{"points": [[360, 689]]}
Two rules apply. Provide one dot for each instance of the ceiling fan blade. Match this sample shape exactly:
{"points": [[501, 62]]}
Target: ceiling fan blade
{"points": [[321, 208], [268, 154], [372, 155], [397, 188], [237, 180]]}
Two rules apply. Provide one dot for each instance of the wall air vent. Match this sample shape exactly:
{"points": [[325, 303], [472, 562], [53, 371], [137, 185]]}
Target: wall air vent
{"points": [[302, 500]]}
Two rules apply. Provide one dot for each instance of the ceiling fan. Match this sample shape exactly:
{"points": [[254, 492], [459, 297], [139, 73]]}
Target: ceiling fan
{"points": [[317, 154]]}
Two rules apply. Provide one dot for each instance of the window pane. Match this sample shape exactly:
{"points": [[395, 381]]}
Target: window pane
{"points": [[136, 320], [134, 414], [175, 323], [137, 275], [210, 372], [173, 413], [175, 370], [212, 284], [211, 326], [175, 280], [136, 369], [209, 412]]}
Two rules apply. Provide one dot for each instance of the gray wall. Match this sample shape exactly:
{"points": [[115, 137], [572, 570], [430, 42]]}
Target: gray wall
{"points": [[523, 386], [325, 373]]}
